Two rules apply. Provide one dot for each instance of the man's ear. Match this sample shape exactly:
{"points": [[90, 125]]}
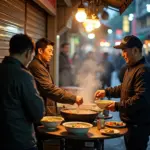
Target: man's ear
{"points": [[40, 51], [135, 50], [26, 54]]}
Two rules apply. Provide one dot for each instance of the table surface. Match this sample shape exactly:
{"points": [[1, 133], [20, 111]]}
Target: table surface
{"points": [[92, 134]]}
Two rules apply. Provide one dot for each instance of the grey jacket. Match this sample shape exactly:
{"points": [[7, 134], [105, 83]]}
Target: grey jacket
{"points": [[20, 106]]}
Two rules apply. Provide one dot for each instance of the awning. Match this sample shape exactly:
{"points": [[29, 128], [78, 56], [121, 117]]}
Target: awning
{"points": [[121, 5]]}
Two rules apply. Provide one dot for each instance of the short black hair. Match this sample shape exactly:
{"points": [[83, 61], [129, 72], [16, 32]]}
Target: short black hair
{"points": [[64, 44], [42, 43], [20, 43]]}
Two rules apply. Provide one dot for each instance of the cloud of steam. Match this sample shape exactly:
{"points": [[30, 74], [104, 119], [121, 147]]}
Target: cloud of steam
{"points": [[87, 80]]}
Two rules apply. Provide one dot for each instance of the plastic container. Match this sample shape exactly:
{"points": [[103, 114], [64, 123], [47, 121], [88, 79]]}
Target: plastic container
{"points": [[101, 122]]}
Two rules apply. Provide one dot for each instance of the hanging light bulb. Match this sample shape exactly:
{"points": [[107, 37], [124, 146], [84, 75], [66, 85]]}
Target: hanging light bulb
{"points": [[81, 15], [96, 22], [91, 35], [88, 24], [89, 27]]}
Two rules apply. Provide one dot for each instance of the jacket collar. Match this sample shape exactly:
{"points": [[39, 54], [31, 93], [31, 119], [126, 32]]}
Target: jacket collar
{"points": [[41, 62], [141, 61], [12, 60]]}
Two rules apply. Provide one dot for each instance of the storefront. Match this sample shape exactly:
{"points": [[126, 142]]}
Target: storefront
{"points": [[19, 16], [37, 18]]}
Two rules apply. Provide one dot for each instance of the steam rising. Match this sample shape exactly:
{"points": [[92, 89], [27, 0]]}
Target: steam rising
{"points": [[87, 79]]}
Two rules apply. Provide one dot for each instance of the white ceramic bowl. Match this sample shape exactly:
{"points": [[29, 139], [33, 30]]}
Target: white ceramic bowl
{"points": [[76, 127], [103, 103], [51, 121]]}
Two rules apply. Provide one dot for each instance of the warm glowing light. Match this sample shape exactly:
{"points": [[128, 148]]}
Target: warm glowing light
{"points": [[91, 35], [96, 23], [104, 44], [89, 27], [107, 44], [81, 15], [88, 24], [144, 46]]}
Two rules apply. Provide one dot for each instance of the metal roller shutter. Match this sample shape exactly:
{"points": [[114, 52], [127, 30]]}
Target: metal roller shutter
{"points": [[12, 20], [36, 21]]}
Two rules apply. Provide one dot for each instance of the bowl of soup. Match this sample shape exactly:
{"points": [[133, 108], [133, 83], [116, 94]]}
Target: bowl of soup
{"points": [[76, 127], [103, 103], [83, 115], [51, 121]]}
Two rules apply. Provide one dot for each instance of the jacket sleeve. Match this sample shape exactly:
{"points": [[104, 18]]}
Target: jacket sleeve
{"points": [[32, 102], [140, 99], [113, 91], [48, 89]]}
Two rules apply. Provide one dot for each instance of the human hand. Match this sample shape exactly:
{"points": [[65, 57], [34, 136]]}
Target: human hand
{"points": [[111, 106], [79, 100], [99, 94]]}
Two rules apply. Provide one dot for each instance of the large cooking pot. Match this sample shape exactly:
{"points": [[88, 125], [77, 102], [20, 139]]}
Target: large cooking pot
{"points": [[79, 115]]}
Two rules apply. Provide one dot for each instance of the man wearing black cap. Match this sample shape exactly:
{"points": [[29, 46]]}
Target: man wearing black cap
{"points": [[134, 105]]}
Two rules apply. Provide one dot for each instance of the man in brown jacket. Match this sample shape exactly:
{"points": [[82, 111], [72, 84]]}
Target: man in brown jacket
{"points": [[44, 81]]}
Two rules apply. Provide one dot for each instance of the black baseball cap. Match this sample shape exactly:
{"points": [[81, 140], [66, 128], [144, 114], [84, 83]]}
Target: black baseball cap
{"points": [[130, 42]]}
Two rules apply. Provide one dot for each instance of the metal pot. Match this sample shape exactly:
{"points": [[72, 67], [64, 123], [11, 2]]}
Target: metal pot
{"points": [[85, 116]]}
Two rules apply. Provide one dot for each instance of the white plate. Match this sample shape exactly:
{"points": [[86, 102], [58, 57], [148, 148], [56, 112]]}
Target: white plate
{"points": [[115, 126], [103, 131]]}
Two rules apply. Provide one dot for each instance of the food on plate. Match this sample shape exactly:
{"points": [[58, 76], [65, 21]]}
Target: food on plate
{"points": [[115, 123], [111, 131]]}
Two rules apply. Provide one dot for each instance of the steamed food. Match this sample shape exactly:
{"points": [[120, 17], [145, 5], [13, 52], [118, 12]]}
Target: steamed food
{"points": [[111, 131], [52, 119], [115, 123], [78, 125], [79, 111]]}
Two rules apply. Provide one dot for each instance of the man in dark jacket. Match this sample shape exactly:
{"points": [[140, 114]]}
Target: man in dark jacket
{"points": [[65, 70], [20, 103], [45, 85], [134, 106]]}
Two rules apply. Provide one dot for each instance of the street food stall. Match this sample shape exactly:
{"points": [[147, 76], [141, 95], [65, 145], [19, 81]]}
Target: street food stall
{"points": [[80, 128]]}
